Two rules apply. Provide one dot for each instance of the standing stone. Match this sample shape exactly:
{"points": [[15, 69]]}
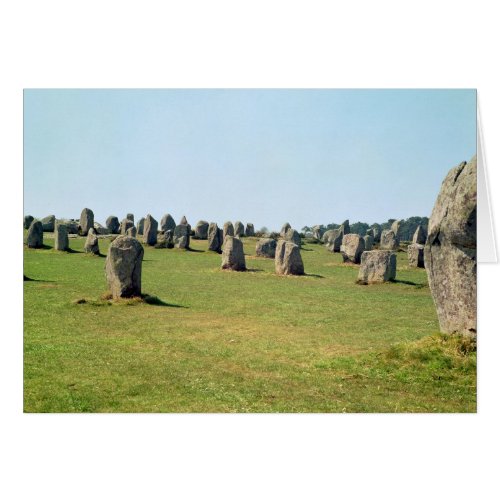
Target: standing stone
{"points": [[288, 259], [132, 232], [416, 255], [86, 221], [91, 243], [71, 225], [266, 247], [201, 230], [140, 226], [184, 221], [124, 266], [293, 236], [150, 230], [353, 245], [249, 230], [396, 228], [228, 230], [35, 235], [368, 242], [420, 235], [345, 227], [369, 232], [167, 223], [328, 235], [28, 219], [49, 223], [169, 238], [333, 239], [239, 229], [388, 240], [232, 256], [61, 240], [125, 224], [100, 229], [377, 233], [318, 232], [450, 251], [284, 229], [182, 234], [112, 224], [214, 238], [377, 266], [130, 217]]}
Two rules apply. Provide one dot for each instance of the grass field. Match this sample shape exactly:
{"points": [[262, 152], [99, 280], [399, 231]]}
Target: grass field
{"points": [[221, 341]]}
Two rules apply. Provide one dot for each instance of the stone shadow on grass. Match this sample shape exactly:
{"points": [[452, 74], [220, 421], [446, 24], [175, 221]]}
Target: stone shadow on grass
{"points": [[153, 300], [189, 249], [27, 278], [314, 275], [411, 283]]}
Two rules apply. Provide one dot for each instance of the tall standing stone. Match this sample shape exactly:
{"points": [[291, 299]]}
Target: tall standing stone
{"points": [[345, 227], [377, 266], [61, 240], [293, 236], [318, 232], [287, 259], [167, 223], [150, 230], [266, 247], [249, 230], [86, 221], [388, 240], [420, 235], [124, 267], [233, 256], [368, 242], [201, 230], [92, 243], [184, 221], [182, 236], [396, 228], [377, 233], [228, 230], [286, 226], [140, 226], [35, 235], [450, 251], [28, 219], [214, 238], [416, 255], [353, 245], [333, 239], [112, 224], [132, 232], [239, 229]]}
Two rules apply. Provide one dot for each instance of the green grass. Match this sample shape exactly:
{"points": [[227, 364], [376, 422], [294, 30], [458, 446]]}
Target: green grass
{"points": [[207, 340]]}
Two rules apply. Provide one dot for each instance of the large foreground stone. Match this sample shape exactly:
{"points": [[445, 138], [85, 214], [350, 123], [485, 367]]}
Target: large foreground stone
{"points": [[450, 251], [35, 235], [416, 255], [86, 221], [353, 245], [61, 240], [112, 224], [124, 266], [201, 230], [377, 266], [232, 256], [388, 240], [266, 247], [150, 230], [214, 238], [288, 259], [92, 243]]}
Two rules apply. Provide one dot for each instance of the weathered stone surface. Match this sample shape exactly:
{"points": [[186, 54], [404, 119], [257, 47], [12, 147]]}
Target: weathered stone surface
{"points": [[124, 266], [416, 255], [396, 228], [293, 236], [368, 242], [353, 245], [35, 235], [169, 238], [377, 266], [388, 240], [377, 233], [266, 247], [167, 223], [91, 243], [318, 232], [239, 229], [61, 240], [150, 230], [214, 238], [130, 217], [86, 221], [420, 235], [450, 251], [49, 223], [132, 232], [249, 230], [228, 230], [28, 219], [345, 227], [112, 224], [100, 229], [232, 256], [369, 232], [334, 239], [287, 259], [124, 225], [71, 225], [140, 226], [201, 230], [182, 235], [328, 235], [184, 221], [284, 229]]}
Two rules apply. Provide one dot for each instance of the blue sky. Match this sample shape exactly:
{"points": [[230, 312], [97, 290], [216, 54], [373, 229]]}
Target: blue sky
{"points": [[263, 156]]}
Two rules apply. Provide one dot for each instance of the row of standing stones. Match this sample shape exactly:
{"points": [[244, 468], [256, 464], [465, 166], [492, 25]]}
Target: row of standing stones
{"points": [[448, 251]]}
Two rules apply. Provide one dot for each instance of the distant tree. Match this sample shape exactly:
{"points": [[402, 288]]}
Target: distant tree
{"points": [[359, 228]]}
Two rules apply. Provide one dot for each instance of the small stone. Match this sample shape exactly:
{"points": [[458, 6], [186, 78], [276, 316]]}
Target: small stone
{"points": [[368, 242], [288, 259], [388, 240], [112, 224], [232, 256], [249, 230], [91, 243], [61, 240], [201, 230], [150, 230], [214, 238], [266, 247], [377, 266], [167, 223], [35, 235], [353, 245], [86, 221], [416, 255], [182, 235]]}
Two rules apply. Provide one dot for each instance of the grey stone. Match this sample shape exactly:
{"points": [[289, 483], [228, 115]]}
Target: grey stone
{"points": [[169, 238], [388, 240], [353, 245], [28, 219], [333, 239], [239, 229], [150, 230], [368, 242], [91, 243], [369, 232], [214, 238], [293, 236], [100, 229], [201, 230], [130, 217], [124, 267], [288, 259], [377, 233], [112, 224], [450, 251], [318, 232], [416, 255], [35, 235], [71, 225], [249, 230], [345, 227], [132, 232], [232, 256], [140, 226], [396, 228], [420, 235], [49, 223], [61, 240], [266, 247], [182, 235], [377, 266], [228, 230], [167, 223], [184, 221], [284, 229], [124, 225], [86, 221]]}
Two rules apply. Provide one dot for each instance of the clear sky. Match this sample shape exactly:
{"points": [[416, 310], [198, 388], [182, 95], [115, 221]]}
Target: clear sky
{"points": [[263, 156]]}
